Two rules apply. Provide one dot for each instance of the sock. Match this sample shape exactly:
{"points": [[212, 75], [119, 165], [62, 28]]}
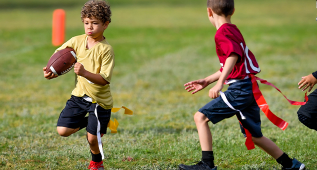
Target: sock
{"points": [[285, 161], [83, 123], [96, 157], [208, 158]]}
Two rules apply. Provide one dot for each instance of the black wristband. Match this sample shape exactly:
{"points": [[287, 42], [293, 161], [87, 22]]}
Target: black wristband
{"points": [[315, 74]]}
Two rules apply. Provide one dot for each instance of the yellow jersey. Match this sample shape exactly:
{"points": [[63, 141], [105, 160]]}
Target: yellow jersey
{"points": [[98, 60]]}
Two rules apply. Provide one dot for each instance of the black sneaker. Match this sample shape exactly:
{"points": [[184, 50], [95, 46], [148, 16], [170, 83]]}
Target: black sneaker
{"points": [[296, 166], [199, 166]]}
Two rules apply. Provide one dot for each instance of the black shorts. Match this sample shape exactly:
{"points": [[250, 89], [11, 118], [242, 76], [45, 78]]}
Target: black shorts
{"points": [[307, 114], [240, 96], [75, 111]]}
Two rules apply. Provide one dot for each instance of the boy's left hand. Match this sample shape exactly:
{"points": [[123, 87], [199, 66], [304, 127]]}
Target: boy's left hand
{"points": [[48, 75], [307, 81], [79, 69], [214, 92]]}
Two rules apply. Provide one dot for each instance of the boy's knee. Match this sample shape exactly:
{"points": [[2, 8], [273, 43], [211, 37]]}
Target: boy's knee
{"points": [[92, 139], [200, 118], [256, 140], [64, 131]]}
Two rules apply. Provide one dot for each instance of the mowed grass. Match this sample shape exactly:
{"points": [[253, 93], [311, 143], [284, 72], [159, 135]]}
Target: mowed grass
{"points": [[159, 46]]}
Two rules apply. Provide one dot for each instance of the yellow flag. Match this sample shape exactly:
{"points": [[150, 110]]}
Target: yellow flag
{"points": [[113, 125]]}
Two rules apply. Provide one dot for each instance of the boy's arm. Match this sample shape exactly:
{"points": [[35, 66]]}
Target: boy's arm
{"points": [[105, 73], [229, 64], [212, 78], [308, 81], [200, 84], [95, 78]]}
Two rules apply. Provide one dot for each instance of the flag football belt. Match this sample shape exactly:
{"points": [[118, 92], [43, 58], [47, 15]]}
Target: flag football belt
{"points": [[112, 125], [259, 98]]}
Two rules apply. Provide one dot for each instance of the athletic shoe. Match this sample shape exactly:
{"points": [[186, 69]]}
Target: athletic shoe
{"points": [[296, 166], [96, 165], [199, 166]]}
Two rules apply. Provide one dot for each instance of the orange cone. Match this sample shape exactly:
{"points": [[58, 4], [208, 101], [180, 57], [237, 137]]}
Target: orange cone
{"points": [[58, 27]]}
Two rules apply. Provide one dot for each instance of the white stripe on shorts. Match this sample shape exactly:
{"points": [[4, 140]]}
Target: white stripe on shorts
{"points": [[224, 98], [98, 134]]}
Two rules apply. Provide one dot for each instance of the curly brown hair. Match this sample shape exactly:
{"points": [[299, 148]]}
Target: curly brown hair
{"points": [[98, 9]]}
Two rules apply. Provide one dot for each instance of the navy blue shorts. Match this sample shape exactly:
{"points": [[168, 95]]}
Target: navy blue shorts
{"points": [[240, 96], [307, 114], [75, 111]]}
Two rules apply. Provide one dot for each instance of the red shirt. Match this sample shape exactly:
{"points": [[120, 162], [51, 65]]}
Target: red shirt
{"points": [[229, 40]]}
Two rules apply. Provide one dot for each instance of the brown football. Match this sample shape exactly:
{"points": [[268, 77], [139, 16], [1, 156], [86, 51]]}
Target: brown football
{"points": [[62, 61]]}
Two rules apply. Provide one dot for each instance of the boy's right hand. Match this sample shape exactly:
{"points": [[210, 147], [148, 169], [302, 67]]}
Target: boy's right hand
{"points": [[196, 85], [48, 75], [307, 81]]}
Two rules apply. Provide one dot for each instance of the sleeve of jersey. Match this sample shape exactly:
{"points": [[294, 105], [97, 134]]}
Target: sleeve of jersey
{"points": [[229, 46], [68, 43], [315, 74], [107, 65]]}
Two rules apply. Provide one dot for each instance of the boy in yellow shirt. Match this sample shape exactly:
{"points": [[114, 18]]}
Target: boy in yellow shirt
{"points": [[95, 62]]}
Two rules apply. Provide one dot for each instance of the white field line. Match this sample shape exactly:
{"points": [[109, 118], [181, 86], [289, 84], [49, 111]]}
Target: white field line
{"points": [[20, 51]]}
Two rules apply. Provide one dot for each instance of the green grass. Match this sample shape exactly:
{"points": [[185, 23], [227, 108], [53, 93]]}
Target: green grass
{"points": [[159, 46]]}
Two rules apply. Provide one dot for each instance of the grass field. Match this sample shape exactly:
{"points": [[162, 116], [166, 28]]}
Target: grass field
{"points": [[159, 46]]}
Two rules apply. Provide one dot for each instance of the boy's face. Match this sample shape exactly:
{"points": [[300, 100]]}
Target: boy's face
{"points": [[94, 27]]}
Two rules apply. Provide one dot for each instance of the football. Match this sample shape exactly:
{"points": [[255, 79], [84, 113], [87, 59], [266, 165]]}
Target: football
{"points": [[62, 61]]}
